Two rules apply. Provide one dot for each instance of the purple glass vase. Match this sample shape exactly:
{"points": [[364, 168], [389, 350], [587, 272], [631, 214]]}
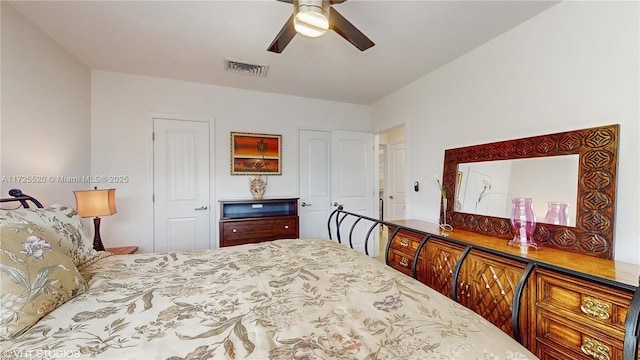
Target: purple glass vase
{"points": [[557, 213], [523, 223]]}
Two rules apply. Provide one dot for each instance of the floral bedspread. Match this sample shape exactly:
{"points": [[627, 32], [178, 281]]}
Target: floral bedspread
{"points": [[286, 299]]}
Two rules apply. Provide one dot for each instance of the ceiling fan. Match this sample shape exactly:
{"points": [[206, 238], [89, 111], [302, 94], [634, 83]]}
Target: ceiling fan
{"points": [[313, 18]]}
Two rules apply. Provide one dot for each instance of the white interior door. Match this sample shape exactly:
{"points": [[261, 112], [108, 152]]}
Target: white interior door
{"points": [[315, 186], [395, 174], [337, 168], [181, 185], [352, 181]]}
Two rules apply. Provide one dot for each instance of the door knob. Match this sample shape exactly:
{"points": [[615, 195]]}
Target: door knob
{"points": [[305, 204], [391, 197], [202, 208]]}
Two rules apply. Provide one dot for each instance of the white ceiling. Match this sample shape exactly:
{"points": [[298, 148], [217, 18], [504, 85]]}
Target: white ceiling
{"points": [[189, 40]]}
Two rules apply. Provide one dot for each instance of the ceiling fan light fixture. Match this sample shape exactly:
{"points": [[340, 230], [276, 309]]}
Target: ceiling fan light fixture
{"points": [[311, 20]]}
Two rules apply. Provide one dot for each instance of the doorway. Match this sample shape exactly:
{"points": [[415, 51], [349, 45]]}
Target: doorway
{"points": [[392, 184], [392, 174], [336, 168], [181, 185]]}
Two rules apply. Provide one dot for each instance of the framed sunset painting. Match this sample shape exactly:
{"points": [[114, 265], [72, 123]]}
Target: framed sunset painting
{"points": [[256, 154]]}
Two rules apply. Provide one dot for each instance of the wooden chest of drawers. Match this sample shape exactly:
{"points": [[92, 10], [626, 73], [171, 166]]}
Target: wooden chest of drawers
{"points": [[244, 231], [441, 262], [487, 284], [402, 250], [252, 221], [585, 319], [559, 305]]}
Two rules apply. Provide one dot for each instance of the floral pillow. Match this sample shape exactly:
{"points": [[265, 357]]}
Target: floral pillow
{"points": [[36, 278], [63, 226]]}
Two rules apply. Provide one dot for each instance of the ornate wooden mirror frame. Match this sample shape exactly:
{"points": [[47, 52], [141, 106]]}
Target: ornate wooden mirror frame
{"points": [[597, 149]]}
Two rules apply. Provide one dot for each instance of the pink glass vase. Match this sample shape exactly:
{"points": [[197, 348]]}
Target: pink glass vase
{"points": [[557, 213], [523, 223]]}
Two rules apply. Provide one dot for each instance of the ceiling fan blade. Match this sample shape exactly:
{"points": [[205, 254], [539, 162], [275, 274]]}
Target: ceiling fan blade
{"points": [[346, 29], [284, 37], [286, 1]]}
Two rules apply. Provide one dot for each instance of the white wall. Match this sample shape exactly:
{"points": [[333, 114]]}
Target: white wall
{"points": [[121, 140], [45, 117], [574, 66]]}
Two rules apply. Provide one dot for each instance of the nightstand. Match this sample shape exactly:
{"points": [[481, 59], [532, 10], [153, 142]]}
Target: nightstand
{"points": [[123, 250]]}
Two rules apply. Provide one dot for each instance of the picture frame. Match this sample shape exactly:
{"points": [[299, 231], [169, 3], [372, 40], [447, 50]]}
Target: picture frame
{"points": [[256, 154]]}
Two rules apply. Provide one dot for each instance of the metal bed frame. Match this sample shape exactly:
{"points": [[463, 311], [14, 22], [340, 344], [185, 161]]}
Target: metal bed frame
{"points": [[18, 195], [337, 218], [335, 225]]}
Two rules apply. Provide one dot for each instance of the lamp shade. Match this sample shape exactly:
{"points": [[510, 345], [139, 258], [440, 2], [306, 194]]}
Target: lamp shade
{"points": [[96, 202]]}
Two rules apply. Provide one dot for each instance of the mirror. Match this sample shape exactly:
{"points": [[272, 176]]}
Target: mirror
{"points": [[590, 229], [487, 187]]}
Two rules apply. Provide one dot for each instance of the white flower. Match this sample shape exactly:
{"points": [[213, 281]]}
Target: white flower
{"points": [[35, 247]]}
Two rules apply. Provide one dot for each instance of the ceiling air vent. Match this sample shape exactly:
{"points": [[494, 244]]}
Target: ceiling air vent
{"points": [[244, 68]]}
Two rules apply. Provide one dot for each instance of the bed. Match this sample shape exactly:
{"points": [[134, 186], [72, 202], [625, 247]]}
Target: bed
{"points": [[283, 299]]}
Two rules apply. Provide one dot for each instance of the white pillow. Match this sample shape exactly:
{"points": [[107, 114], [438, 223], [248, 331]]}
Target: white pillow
{"points": [[63, 226]]}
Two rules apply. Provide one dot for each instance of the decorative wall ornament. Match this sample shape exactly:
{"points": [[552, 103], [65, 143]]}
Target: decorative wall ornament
{"points": [[256, 154], [597, 149]]}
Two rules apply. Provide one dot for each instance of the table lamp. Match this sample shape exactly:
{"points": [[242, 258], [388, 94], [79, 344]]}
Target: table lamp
{"points": [[96, 202]]}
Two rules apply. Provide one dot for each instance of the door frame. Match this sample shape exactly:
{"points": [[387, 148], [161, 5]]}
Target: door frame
{"points": [[213, 217], [388, 155], [406, 185]]}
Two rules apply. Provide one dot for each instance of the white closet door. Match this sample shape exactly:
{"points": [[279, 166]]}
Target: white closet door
{"points": [[181, 185]]}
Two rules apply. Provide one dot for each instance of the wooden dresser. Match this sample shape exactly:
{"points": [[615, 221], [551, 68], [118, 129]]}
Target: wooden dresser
{"points": [[560, 305], [252, 221]]}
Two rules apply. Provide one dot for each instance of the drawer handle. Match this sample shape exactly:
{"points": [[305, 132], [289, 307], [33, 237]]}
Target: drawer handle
{"points": [[286, 226], [404, 262], [596, 308], [404, 242], [595, 349], [462, 287], [234, 230]]}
